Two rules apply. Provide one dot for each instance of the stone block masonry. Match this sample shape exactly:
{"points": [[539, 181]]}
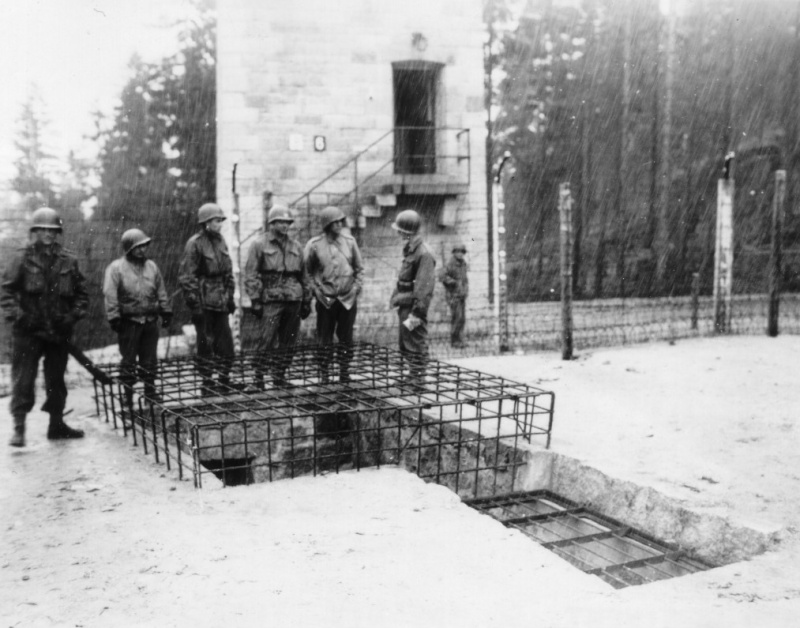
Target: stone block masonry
{"points": [[288, 72]]}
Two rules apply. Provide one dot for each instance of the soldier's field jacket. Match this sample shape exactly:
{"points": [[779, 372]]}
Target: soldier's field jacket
{"points": [[44, 294], [134, 290], [206, 274], [335, 269], [275, 271], [454, 278], [416, 280]]}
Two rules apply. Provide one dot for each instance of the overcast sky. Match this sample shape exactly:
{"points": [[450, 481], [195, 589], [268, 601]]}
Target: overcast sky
{"points": [[77, 52]]}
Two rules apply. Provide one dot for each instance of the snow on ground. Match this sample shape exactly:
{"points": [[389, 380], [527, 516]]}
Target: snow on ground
{"points": [[94, 533]]}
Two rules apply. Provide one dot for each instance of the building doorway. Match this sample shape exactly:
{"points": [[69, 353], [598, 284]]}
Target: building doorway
{"points": [[415, 87]]}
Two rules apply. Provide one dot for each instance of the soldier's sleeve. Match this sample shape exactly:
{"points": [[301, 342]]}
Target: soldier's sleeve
{"points": [[252, 278], [358, 266], [164, 306], [305, 281], [310, 260], [80, 304], [448, 278], [12, 283], [187, 277], [230, 282], [424, 282], [111, 291]]}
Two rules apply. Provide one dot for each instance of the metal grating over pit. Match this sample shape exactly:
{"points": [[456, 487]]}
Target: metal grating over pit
{"points": [[457, 427], [595, 544]]}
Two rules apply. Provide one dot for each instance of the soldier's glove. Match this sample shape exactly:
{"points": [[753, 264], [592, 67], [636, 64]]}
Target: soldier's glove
{"points": [[231, 307], [305, 310], [115, 324], [257, 313], [166, 320]]}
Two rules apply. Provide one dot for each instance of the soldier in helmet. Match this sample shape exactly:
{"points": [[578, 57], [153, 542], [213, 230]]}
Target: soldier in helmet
{"points": [[135, 297], [413, 293], [276, 282], [206, 279], [44, 295], [456, 285], [336, 272]]}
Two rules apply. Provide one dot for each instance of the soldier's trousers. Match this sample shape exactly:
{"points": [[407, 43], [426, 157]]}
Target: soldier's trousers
{"points": [[413, 345], [458, 319], [280, 331], [339, 320], [26, 353], [138, 342], [214, 346]]}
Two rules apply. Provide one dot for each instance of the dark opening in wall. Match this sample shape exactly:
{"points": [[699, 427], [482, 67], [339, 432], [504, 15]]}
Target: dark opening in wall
{"points": [[232, 471]]}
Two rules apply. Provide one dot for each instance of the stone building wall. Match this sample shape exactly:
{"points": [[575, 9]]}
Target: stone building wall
{"points": [[290, 71]]}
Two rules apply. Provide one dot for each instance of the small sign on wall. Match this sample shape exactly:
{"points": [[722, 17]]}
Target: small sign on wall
{"points": [[320, 144], [295, 141]]}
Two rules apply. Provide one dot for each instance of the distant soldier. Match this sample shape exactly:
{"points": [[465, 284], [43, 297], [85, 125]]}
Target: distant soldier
{"points": [[135, 296], [414, 292], [456, 285], [275, 281], [336, 272], [44, 295], [206, 278]]}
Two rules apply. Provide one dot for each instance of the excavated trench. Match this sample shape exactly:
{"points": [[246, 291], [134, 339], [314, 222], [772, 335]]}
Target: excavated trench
{"points": [[484, 437]]}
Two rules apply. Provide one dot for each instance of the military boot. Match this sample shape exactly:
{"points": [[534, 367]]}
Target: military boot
{"points": [[59, 430], [18, 439]]}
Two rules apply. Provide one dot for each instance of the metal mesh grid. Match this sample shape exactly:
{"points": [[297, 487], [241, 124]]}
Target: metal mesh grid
{"points": [[454, 426], [598, 545]]}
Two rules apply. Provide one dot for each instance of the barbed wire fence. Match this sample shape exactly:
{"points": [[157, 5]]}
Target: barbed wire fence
{"points": [[531, 323]]}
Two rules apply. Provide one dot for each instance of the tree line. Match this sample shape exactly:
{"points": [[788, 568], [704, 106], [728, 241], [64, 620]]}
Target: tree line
{"points": [[636, 104]]}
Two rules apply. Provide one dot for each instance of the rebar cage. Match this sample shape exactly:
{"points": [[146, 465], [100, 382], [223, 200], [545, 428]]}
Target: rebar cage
{"points": [[268, 416]]}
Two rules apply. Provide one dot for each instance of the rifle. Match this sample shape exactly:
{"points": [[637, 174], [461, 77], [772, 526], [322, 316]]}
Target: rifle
{"points": [[100, 375]]}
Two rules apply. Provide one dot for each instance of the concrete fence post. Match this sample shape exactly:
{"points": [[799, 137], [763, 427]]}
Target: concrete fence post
{"points": [[778, 197], [566, 245]]}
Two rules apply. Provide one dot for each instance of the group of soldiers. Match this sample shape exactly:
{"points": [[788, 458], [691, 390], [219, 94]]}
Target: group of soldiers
{"points": [[44, 295]]}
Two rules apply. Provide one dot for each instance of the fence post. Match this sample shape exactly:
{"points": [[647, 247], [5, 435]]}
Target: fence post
{"points": [[565, 231], [695, 298], [500, 279], [778, 196], [236, 319], [723, 251]]}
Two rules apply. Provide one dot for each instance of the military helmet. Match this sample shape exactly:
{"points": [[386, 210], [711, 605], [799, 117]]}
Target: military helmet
{"points": [[133, 238], [459, 246], [46, 218], [209, 211], [330, 214], [279, 211], [407, 221]]}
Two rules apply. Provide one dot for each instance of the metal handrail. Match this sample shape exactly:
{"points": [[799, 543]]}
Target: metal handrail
{"points": [[354, 161]]}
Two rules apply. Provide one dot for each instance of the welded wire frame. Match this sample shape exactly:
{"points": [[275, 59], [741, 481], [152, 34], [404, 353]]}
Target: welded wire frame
{"points": [[283, 415], [598, 545]]}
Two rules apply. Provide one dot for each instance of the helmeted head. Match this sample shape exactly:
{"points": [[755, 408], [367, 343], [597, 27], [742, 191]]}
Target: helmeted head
{"points": [[330, 215], [209, 211], [279, 211], [407, 222], [46, 218], [459, 247], [133, 238]]}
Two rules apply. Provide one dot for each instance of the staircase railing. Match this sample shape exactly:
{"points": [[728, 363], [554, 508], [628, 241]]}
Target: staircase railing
{"points": [[338, 198]]}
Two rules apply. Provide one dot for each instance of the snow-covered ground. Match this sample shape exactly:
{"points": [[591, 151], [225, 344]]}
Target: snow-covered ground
{"points": [[94, 533]]}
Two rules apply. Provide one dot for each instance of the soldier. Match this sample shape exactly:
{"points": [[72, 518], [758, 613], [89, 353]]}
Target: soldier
{"points": [[275, 280], [335, 270], [206, 278], [456, 285], [413, 293], [44, 295], [135, 297]]}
